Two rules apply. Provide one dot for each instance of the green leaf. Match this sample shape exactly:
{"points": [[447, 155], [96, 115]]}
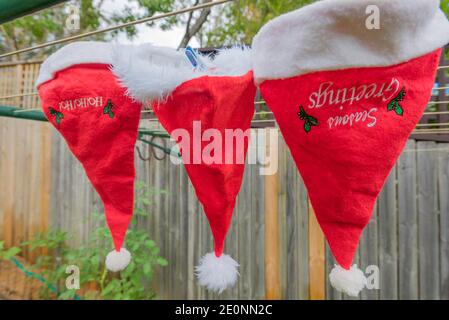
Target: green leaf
{"points": [[391, 105], [11, 252], [95, 260], [114, 285], [67, 295], [394, 104], [149, 244], [108, 109], [162, 261], [146, 269], [313, 121], [401, 95], [302, 113], [399, 111], [307, 127]]}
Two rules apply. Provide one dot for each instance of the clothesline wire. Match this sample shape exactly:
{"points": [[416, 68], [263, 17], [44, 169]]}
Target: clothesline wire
{"points": [[265, 113], [35, 93], [120, 26]]}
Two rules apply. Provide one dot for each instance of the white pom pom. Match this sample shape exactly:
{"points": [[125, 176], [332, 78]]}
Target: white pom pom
{"points": [[217, 273], [350, 281], [118, 260]]}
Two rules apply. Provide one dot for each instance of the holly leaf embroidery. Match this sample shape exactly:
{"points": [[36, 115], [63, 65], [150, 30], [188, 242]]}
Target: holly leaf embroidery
{"points": [[108, 109], [307, 127], [309, 121], [302, 113], [394, 104], [58, 115], [313, 121], [401, 95]]}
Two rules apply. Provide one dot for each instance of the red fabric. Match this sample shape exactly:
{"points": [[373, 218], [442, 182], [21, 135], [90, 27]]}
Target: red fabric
{"points": [[344, 167], [219, 103], [102, 142]]}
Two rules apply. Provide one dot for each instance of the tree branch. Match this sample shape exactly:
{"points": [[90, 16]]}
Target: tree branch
{"points": [[193, 29]]}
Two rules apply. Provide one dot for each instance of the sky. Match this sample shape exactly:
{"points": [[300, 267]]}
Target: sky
{"points": [[154, 35]]}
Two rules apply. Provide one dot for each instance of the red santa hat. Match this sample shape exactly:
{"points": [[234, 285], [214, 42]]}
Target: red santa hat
{"points": [[198, 106], [346, 98], [82, 98]]}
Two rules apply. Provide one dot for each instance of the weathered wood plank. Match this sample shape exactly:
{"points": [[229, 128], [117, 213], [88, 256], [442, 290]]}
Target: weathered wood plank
{"points": [[9, 182], [244, 244], [408, 224], [443, 173], [369, 253], [173, 229], [302, 224], [428, 227], [331, 293], [388, 257], [258, 235], [183, 233], [316, 258], [272, 270], [289, 202], [192, 217]]}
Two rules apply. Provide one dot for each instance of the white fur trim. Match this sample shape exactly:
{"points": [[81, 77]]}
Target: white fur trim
{"points": [[152, 73], [350, 281], [118, 260], [217, 273], [331, 35], [73, 54]]}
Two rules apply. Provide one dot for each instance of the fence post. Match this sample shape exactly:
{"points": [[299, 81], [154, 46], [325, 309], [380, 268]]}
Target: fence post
{"points": [[316, 258], [272, 275]]}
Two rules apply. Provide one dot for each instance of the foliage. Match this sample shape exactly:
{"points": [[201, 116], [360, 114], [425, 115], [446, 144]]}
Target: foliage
{"points": [[445, 6], [133, 283], [192, 22], [239, 22], [48, 25], [6, 254]]}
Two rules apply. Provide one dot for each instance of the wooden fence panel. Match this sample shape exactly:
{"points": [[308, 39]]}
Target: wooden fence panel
{"points": [[19, 78], [443, 172], [42, 184], [369, 252], [428, 227], [387, 217], [408, 224], [25, 173]]}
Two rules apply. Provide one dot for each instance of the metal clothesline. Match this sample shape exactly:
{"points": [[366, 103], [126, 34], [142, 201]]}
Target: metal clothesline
{"points": [[35, 93]]}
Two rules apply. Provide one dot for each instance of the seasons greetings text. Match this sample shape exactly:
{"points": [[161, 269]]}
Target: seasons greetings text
{"points": [[328, 95]]}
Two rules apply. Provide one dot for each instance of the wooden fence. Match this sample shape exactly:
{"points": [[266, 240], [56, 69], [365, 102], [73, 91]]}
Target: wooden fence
{"points": [[274, 234], [19, 78], [41, 185]]}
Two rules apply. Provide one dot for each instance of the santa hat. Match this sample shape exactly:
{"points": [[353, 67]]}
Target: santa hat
{"points": [[346, 98], [216, 96], [82, 98]]}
